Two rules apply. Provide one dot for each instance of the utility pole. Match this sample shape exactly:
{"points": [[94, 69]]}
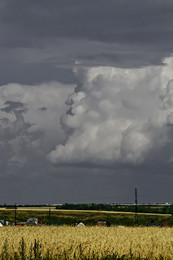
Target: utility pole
{"points": [[15, 208], [49, 216], [136, 206]]}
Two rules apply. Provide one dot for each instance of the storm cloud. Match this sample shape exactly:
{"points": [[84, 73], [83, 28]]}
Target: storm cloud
{"points": [[86, 106], [41, 41]]}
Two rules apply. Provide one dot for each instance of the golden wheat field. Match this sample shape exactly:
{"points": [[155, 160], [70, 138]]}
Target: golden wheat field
{"points": [[86, 242]]}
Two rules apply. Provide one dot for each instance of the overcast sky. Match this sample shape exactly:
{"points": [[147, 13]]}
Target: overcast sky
{"points": [[86, 101]]}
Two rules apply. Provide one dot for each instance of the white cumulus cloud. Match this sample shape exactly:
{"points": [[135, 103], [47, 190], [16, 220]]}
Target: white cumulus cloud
{"points": [[117, 115]]}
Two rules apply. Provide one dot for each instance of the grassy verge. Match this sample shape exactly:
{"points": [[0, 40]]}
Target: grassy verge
{"points": [[71, 217]]}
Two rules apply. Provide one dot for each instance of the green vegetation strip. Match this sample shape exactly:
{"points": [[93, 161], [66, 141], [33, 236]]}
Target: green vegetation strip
{"points": [[70, 217]]}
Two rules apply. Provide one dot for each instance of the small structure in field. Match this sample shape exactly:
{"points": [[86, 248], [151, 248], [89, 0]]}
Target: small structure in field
{"points": [[80, 224], [32, 221], [4, 222]]}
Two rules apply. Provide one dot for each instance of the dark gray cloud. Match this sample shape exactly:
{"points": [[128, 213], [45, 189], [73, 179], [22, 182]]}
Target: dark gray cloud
{"points": [[43, 108], [13, 106], [80, 185], [41, 40], [32, 73], [108, 21]]}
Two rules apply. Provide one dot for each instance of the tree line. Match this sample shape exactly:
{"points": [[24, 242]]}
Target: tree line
{"points": [[149, 208]]}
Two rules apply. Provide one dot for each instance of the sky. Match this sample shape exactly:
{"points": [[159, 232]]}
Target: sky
{"points": [[86, 101]]}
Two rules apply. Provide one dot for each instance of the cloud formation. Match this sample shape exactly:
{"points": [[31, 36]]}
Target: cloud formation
{"points": [[29, 117], [117, 115], [120, 115], [42, 42]]}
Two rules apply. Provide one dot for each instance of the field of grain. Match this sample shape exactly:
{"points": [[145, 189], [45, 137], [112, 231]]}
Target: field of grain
{"points": [[86, 242]]}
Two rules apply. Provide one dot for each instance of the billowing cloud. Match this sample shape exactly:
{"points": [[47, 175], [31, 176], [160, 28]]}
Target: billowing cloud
{"points": [[29, 116], [117, 115]]}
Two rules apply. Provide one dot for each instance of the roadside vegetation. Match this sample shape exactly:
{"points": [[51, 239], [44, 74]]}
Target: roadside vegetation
{"points": [[70, 217]]}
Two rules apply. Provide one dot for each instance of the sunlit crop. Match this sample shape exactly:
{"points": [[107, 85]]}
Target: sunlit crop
{"points": [[86, 242]]}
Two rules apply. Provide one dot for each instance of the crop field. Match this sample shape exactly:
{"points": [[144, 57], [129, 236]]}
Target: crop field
{"points": [[49, 242]]}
